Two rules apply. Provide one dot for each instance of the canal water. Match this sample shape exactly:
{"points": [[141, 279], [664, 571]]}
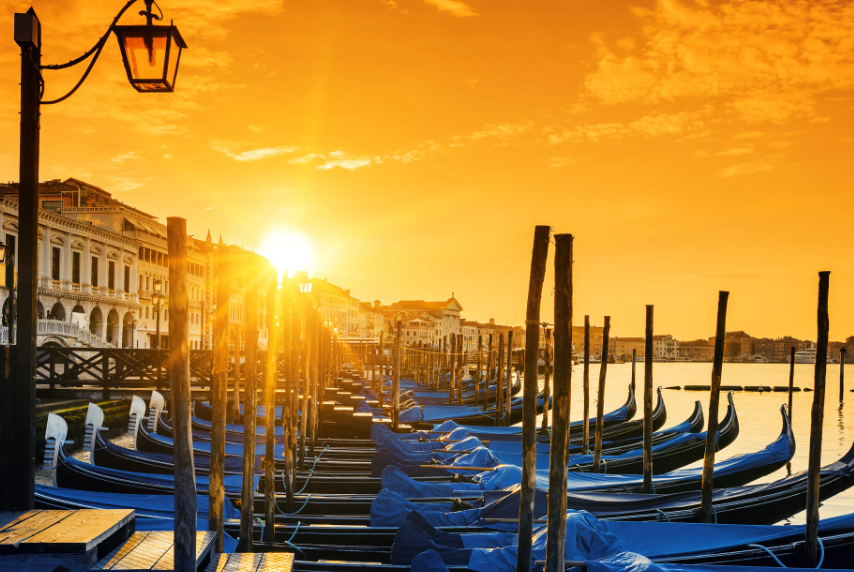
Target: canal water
{"points": [[758, 413]]}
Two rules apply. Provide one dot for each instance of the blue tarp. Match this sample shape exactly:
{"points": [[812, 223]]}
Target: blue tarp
{"points": [[631, 562], [589, 538]]}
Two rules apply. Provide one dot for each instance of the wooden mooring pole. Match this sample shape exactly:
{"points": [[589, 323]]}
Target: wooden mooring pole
{"points": [[453, 370], [250, 406], [271, 377], [647, 404], [499, 381], [634, 362], [179, 378], [559, 450], [529, 408], [508, 382], [489, 358], [379, 387], [479, 369], [600, 402], [816, 422], [841, 374], [290, 392], [216, 488], [395, 384], [791, 381], [547, 371], [585, 436], [235, 394], [707, 511]]}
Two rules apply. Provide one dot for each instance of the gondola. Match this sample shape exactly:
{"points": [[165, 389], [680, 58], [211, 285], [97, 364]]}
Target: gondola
{"points": [[669, 455], [112, 456], [686, 544]]}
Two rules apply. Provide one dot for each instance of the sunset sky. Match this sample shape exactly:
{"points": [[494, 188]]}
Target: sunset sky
{"points": [[690, 146]]}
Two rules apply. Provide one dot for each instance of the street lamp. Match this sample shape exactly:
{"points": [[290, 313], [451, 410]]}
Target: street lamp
{"points": [[158, 302], [133, 330], [162, 45]]}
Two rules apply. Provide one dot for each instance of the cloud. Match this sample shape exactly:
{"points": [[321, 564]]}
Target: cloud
{"points": [[767, 61], [228, 149], [557, 162], [349, 164], [652, 125], [454, 7], [127, 156], [749, 168], [124, 184], [736, 151], [336, 159]]}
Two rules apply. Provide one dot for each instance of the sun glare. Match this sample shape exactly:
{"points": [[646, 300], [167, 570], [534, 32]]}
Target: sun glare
{"points": [[288, 250]]}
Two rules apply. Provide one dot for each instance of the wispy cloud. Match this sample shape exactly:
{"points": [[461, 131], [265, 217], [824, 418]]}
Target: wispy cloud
{"points": [[557, 162], [454, 7], [228, 149], [652, 125], [127, 156], [748, 168]]}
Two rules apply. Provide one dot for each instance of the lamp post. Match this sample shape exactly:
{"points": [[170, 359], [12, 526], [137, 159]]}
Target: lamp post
{"points": [[133, 324], [151, 55], [158, 303], [7, 257]]}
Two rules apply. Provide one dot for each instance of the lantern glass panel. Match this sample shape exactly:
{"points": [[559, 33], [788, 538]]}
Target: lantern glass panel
{"points": [[175, 47], [146, 52]]}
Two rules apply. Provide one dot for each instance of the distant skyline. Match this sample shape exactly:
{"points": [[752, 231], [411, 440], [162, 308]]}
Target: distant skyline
{"points": [[410, 146]]}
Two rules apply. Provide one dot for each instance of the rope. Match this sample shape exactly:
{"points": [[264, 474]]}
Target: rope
{"points": [[307, 498], [260, 522], [605, 464], [771, 554], [295, 532], [663, 514], [821, 546]]}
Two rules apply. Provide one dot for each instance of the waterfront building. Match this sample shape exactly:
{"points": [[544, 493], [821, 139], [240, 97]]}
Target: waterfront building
{"points": [[697, 350], [336, 305], [665, 347], [86, 276], [737, 344], [445, 314], [597, 334], [470, 332], [99, 259], [622, 347], [371, 320]]}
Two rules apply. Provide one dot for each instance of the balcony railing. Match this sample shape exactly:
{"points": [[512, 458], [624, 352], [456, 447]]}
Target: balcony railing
{"points": [[64, 329]]}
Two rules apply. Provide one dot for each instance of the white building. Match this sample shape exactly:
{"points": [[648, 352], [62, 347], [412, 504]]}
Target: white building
{"points": [[665, 347]]}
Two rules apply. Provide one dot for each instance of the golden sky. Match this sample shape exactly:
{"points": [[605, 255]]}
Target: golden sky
{"points": [[690, 146]]}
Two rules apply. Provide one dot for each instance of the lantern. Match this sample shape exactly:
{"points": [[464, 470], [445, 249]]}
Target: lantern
{"points": [[151, 55]]}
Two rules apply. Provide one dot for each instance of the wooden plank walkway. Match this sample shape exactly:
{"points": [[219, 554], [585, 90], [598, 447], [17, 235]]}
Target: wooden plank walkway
{"points": [[266, 562], [69, 538], [145, 551]]}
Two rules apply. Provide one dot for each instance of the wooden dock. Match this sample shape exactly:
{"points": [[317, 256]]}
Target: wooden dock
{"points": [[93, 540], [73, 539], [146, 551], [250, 562]]}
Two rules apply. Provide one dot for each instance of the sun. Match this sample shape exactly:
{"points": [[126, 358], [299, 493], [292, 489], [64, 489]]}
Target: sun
{"points": [[288, 251]]}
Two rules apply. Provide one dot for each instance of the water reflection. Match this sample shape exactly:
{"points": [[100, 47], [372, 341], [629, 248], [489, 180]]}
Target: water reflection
{"points": [[758, 412]]}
